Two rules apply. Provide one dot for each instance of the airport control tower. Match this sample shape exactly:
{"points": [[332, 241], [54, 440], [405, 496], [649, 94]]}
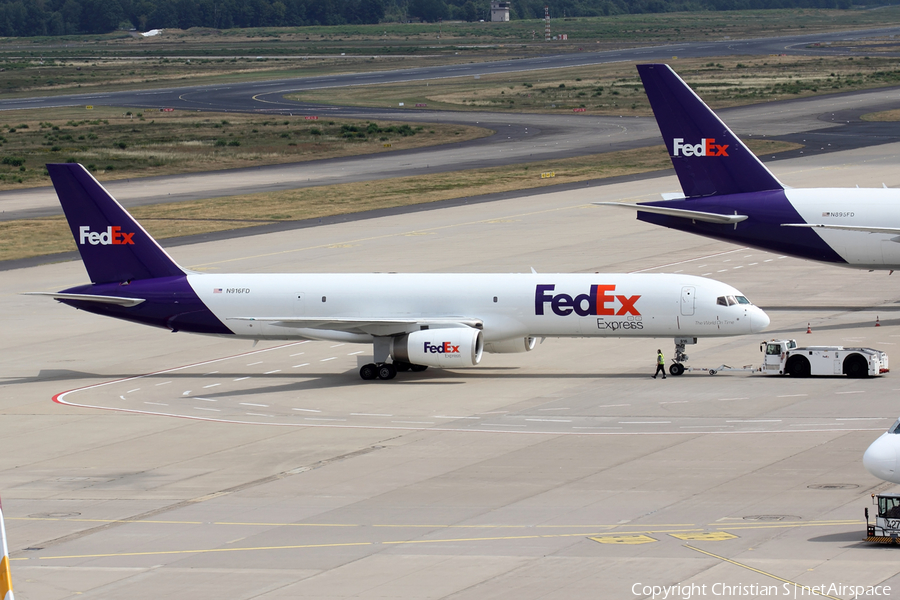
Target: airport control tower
{"points": [[499, 10]]}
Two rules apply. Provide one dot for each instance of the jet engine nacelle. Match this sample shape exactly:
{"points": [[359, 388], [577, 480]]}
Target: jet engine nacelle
{"points": [[511, 346], [443, 348]]}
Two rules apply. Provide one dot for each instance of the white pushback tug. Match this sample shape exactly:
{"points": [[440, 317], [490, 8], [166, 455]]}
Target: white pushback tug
{"points": [[783, 357]]}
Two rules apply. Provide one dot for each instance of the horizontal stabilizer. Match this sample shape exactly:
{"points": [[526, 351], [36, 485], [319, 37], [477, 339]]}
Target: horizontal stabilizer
{"points": [[888, 230], [695, 215], [117, 300]]}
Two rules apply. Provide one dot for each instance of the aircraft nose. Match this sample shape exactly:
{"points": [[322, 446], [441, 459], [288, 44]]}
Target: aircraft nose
{"points": [[880, 458], [759, 320]]}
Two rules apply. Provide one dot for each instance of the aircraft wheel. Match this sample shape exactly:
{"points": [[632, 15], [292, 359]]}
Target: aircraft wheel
{"points": [[712, 371], [417, 368], [387, 371], [676, 369], [368, 372]]}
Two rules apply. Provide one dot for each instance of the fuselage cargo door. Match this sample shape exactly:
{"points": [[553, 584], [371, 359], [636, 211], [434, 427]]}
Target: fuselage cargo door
{"points": [[299, 310], [687, 300]]}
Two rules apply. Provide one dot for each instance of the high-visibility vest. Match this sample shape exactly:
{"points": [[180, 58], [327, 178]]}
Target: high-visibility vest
{"points": [[660, 359]]}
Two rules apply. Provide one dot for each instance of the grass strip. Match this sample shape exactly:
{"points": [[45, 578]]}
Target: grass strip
{"points": [[615, 88], [50, 235], [121, 143], [884, 116]]}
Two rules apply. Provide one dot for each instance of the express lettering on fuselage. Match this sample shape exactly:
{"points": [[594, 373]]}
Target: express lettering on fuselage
{"points": [[599, 301], [631, 324]]}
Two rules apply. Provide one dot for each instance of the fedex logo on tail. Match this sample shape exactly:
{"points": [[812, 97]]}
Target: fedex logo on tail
{"points": [[706, 147], [599, 301], [445, 348], [112, 236]]}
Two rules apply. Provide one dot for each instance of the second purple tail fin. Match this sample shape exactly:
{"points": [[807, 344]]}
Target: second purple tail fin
{"points": [[709, 158], [113, 246]]}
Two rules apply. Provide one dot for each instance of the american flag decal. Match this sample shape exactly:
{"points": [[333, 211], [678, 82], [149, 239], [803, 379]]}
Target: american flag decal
{"points": [[217, 290]]}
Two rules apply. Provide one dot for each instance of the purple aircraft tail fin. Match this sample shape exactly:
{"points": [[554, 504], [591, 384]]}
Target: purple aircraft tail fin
{"points": [[708, 157], [113, 246]]}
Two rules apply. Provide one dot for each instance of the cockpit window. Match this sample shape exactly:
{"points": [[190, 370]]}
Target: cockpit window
{"points": [[727, 301], [895, 428], [732, 300]]}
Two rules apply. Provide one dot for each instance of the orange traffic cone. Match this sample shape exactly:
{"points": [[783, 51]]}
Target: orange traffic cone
{"points": [[877, 322], [808, 328]]}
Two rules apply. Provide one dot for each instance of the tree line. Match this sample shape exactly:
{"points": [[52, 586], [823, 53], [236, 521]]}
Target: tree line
{"points": [[25, 18]]}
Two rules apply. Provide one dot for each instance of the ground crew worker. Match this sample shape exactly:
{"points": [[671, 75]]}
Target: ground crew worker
{"points": [[660, 364]]}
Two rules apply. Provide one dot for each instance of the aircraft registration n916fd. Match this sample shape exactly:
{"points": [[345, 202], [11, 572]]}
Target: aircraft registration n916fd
{"points": [[730, 195], [414, 321]]}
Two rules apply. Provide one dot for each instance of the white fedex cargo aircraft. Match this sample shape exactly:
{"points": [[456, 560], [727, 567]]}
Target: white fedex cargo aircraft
{"points": [[413, 320], [730, 195]]}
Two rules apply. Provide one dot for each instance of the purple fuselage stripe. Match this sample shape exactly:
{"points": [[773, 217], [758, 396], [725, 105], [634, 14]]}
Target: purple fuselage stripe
{"points": [[766, 211], [169, 302]]}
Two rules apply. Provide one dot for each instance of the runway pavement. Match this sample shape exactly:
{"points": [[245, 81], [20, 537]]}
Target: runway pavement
{"points": [[195, 467]]}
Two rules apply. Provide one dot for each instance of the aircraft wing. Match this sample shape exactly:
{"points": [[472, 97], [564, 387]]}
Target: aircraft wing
{"points": [[695, 215], [888, 230], [373, 326], [118, 300]]}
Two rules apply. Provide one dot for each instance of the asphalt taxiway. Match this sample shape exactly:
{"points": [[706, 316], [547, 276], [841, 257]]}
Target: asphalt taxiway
{"points": [[830, 122], [821, 124], [267, 95], [195, 467]]}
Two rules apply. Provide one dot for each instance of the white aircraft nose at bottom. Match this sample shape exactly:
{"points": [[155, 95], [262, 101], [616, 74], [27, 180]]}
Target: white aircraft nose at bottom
{"points": [[880, 458]]}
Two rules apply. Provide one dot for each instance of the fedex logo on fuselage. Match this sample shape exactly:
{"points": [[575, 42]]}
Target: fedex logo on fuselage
{"points": [[706, 147], [112, 236], [599, 301], [445, 348]]}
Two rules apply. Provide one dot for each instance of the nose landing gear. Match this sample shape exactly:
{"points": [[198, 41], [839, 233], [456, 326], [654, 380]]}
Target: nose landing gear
{"points": [[677, 368]]}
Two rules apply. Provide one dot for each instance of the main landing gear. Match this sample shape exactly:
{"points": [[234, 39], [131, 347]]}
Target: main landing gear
{"points": [[676, 368], [385, 371], [381, 368]]}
